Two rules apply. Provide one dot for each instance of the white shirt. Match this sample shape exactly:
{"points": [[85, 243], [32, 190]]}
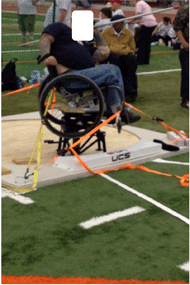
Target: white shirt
{"points": [[60, 5], [116, 33], [117, 12], [25, 7], [163, 29], [142, 7], [171, 32]]}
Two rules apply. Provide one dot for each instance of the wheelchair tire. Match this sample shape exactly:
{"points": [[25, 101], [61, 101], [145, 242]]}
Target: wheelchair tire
{"points": [[42, 86], [79, 105]]}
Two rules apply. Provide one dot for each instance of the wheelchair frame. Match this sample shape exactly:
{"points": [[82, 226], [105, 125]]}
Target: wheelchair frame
{"points": [[80, 109]]}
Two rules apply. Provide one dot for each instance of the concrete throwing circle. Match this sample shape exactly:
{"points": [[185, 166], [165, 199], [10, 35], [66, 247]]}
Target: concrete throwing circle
{"points": [[19, 137]]}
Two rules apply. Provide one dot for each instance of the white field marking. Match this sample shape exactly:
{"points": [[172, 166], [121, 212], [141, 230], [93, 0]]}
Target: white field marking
{"points": [[7, 19], [12, 35], [184, 266], [16, 196], [96, 221], [150, 200], [159, 160], [20, 51], [158, 71]]}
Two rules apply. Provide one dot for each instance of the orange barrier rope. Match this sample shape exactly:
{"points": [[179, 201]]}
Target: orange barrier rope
{"points": [[22, 89], [21, 61], [162, 52], [158, 120]]}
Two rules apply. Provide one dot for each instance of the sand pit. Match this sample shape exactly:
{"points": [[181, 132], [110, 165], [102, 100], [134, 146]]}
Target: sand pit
{"points": [[19, 137]]}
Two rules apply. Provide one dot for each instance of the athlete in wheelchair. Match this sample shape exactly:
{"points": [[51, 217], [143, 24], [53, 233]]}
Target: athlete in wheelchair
{"points": [[76, 90]]}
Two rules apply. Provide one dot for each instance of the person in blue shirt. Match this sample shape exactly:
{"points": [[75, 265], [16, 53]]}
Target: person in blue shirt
{"points": [[57, 48]]}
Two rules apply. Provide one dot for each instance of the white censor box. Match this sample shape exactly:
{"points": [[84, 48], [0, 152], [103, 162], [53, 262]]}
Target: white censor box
{"points": [[82, 25]]}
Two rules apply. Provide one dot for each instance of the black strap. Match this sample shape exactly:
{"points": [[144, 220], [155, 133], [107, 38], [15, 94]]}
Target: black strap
{"points": [[165, 146], [40, 59]]}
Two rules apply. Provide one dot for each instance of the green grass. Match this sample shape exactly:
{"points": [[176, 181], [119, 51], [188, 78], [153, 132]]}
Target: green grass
{"points": [[44, 238]]}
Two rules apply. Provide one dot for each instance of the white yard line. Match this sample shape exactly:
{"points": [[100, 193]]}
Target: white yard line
{"points": [[15, 196], [13, 35], [148, 199], [158, 71], [160, 160], [96, 221], [184, 266], [21, 51]]}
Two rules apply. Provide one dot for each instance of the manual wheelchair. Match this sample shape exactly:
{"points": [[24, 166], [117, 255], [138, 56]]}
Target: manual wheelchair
{"points": [[76, 105]]}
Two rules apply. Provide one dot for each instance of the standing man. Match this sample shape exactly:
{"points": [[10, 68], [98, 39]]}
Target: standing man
{"points": [[116, 8], [122, 53], [62, 13], [26, 18], [181, 26]]}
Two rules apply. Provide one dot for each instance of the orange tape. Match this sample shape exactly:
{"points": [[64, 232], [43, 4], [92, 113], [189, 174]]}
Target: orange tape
{"points": [[95, 130], [11, 279]]}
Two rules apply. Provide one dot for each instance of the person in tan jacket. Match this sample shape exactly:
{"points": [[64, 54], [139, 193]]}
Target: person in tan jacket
{"points": [[122, 53]]}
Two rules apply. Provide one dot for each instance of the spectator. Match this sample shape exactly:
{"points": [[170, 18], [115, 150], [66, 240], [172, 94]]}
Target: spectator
{"points": [[108, 4], [116, 8], [172, 34], [106, 15], [26, 18], [148, 24], [122, 53], [82, 4], [58, 49], [163, 31], [136, 37], [62, 13], [132, 27], [181, 26]]}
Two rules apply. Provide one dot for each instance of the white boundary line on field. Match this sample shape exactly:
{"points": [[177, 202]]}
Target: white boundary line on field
{"points": [[96, 221], [20, 51], [160, 160], [12, 35], [184, 266], [16, 196], [150, 200], [158, 71]]}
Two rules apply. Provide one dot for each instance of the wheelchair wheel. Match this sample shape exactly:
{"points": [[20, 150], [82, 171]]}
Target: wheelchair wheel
{"points": [[75, 105], [44, 83]]}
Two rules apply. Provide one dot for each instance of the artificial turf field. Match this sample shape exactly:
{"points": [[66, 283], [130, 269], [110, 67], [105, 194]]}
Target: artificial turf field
{"points": [[44, 238]]}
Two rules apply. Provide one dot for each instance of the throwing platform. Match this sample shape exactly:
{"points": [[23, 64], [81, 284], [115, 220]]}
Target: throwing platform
{"points": [[19, 133]]}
